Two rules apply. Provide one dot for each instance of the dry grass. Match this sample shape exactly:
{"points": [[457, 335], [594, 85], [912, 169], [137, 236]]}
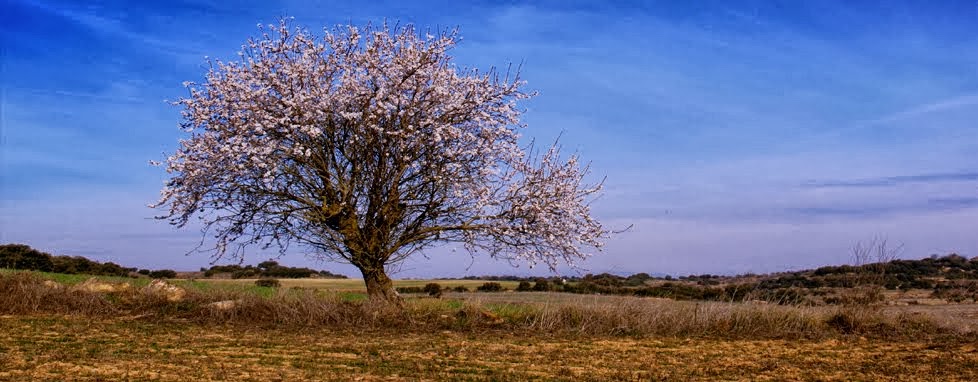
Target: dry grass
{"points": [[24, 293], [51, 332], [71, 348]]}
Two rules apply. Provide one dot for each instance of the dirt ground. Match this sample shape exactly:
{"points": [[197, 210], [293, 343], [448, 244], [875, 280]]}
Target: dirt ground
{"points": [[71, 348]]}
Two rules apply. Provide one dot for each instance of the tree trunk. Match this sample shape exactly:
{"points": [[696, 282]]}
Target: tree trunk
{"points": [[380, 288]]}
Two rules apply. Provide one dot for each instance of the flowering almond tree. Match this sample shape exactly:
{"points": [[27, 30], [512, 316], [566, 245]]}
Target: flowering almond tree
{"points": [[367, 146]]}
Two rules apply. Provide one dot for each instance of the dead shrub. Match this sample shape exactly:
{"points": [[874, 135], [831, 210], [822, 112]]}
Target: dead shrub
{"points": [[28, 293]]}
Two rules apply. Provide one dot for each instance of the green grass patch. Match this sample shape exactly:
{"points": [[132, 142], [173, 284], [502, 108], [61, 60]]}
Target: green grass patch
{"points": [[264, 292], [352, 296], [511, 312], [73, 279]]}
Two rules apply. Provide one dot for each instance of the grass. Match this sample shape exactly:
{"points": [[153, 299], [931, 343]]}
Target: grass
{"points": [[53, 333], [26, 293], [73, 279], [58, 348]]}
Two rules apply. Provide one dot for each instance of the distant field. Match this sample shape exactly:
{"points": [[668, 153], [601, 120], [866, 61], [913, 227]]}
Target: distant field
{"points": [[356, 285]]}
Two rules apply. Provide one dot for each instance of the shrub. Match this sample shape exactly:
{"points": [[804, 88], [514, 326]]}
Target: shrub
{"points": [[81, 265], [163, 274], [637, 279], [144, 272], [844, 322], [541, 285], [331, 275], [524, 287], [605, 280], [245, 273], [268, 268], [490, 287], [410, 289], [20, 256], [956, 292], [268, 283], [460, 288], [432, 289], [584, 287], [273, 269], [857, 296], [739, 292]]}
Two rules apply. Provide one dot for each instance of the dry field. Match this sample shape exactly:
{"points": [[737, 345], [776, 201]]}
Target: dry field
{"points": [[70, 348], [960, 317], [54, 331]]}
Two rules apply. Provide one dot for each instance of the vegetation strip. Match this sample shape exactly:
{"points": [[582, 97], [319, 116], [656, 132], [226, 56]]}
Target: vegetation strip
{"points": [[27, 293]]}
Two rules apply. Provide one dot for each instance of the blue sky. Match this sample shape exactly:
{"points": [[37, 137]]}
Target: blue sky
{"points": [[735, 136]]}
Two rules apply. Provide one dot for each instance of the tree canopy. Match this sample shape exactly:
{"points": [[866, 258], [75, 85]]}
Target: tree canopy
{"points": [[366, 146]]}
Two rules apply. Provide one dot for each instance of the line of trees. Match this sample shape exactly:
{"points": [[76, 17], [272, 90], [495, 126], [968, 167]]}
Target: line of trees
{"points": [[20, 256], [268, 268], [896, 274], [23, 257]]}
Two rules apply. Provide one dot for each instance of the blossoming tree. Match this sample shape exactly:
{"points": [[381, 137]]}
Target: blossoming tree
{"points": [[369, 145]]}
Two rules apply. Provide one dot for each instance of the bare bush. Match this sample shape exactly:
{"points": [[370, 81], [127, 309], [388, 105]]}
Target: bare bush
{"points": [[870, 259]]}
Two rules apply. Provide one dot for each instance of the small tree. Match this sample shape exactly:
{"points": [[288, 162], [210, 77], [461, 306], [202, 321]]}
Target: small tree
{"points": [[367, 146], [432, 289]]}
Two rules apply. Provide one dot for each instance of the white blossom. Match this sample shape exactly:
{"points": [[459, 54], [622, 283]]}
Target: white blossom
{"points": [[368, 145]]}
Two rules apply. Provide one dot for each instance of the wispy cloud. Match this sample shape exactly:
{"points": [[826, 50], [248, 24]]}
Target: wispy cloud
{"points": [[962, 101], [896, 180], [884, 210]]}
